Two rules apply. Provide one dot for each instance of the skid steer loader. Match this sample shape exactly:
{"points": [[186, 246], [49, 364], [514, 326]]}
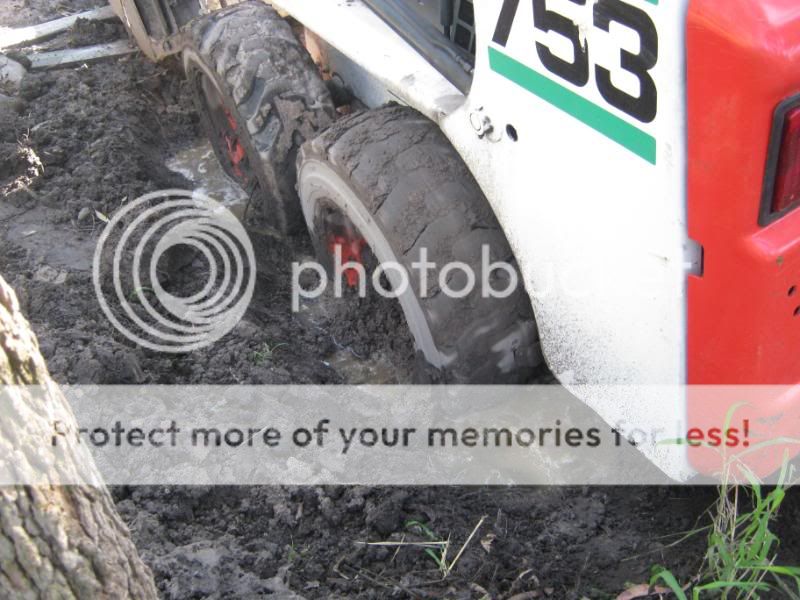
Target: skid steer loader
{"points": [[636, 161]]}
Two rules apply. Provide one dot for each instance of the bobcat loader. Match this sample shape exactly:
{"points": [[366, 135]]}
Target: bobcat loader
{"points": [[638, 161]]}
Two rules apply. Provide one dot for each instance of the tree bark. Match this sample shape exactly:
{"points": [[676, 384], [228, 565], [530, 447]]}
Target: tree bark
{"points": [[55, 541]]}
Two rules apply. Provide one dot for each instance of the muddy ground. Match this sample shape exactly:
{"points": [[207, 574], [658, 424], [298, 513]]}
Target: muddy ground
{"points": [[75, 144]]}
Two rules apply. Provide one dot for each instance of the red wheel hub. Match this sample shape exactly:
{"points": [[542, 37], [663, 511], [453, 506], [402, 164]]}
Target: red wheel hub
{"points": [[236, 152], [350, 249]]}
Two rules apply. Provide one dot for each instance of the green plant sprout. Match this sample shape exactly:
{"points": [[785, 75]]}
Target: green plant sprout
{"points": [[265, 352], [435, 547]]}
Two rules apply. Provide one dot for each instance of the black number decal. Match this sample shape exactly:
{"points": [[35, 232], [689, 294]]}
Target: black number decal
{"points": [[503, 29], [645, 107], [577, 71]]}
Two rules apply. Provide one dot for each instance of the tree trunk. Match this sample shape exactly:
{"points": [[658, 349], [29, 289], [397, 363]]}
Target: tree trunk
{"points": [[55, 541]]}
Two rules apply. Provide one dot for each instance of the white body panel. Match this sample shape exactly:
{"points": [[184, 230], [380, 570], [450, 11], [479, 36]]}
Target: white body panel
{"points": [[598, 230]]}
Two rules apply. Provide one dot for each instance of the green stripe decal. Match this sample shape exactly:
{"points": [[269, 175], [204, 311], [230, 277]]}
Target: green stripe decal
{"points": [[599, 119]]}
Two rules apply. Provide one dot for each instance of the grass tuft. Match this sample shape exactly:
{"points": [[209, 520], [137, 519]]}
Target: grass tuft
{"points": [[265, 353], [742, 551]]}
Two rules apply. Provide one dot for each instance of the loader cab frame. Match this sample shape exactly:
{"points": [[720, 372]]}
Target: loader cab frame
{"points": [[442, 31]]}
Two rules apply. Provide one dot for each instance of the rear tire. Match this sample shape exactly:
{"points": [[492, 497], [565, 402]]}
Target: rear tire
{"points": [[259, 96], [402, 186]]}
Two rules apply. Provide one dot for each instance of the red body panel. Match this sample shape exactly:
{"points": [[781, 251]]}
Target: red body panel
{"points": [[743, 60]]}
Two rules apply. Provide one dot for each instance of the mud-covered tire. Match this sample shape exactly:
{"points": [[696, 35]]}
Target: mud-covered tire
{"points": [[402, 185], [271, 89]]}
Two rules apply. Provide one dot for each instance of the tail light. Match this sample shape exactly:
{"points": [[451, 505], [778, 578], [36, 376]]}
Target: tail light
{"points": [[782, 182]]}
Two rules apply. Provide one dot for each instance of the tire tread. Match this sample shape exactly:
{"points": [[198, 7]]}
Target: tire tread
{"points": [[421, 194], [273, 85]]}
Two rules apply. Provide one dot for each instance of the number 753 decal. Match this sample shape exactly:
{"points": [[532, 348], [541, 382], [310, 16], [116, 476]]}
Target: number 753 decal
{"points": [[642, 107]]}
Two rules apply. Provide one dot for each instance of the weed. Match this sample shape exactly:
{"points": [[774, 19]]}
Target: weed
{"points": [[295, 554], [741, 555], [265, 352], [434, 547]]}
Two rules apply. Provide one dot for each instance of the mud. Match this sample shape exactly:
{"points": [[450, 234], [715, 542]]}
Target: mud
{"points": [[75, 145], [86, 32], [21, 13]]}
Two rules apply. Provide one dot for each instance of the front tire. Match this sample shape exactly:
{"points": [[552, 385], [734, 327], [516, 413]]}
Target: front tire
{"points": [[389, 177]]}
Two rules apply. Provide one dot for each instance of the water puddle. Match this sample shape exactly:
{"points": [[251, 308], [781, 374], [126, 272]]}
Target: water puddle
{"points": [[199, 165], [377, 369]]}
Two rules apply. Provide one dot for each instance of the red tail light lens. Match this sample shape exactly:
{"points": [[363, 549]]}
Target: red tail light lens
{"points": [[787, 178], [782, 179]]}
